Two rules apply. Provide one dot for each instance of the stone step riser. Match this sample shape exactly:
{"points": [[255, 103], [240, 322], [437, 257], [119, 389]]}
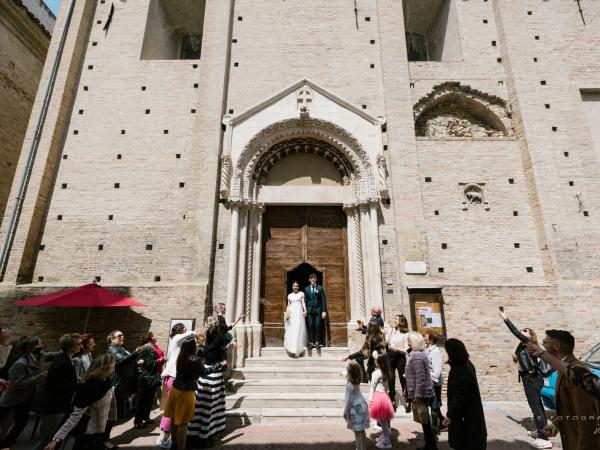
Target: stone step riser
{"points": [[249, 402], [309, 375], [301, 362], [281, 389], [236, 421], [325, 352]]}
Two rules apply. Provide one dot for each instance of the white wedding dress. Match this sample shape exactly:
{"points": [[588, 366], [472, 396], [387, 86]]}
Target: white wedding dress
{"points": [[294, 340]]}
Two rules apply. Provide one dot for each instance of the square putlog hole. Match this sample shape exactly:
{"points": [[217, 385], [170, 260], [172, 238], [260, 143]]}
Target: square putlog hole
{"points": [[529, 269], [149, 247]]}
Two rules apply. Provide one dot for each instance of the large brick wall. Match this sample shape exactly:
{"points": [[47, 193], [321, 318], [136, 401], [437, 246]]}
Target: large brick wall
{"points": [[362, 58]]}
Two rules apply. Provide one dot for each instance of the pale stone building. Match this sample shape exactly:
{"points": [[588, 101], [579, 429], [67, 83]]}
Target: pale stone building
{"points": [[436, 157], [24, 39]]}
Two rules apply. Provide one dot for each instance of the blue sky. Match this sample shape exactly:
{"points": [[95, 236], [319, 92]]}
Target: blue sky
{"points": [[53, 5]]}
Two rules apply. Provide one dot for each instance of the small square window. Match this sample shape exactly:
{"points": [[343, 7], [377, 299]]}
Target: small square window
{"points": [[493, 43], [100, 247], [194, 66], [387, 201], [384, 242], [63, 186], [364, 106], [177, 155], [156, 278], [529, 269], [547, 105], [385, 147], [367, 19], [94, 43], [535, 60], [181, 184], [97, 278], [75, 131], [235, 64], [389, 291], [148, 247], [147, 111], [90, 67], [511, 181], [42, 247], [80, 111], [231, 111], [372, 66], [85, 88], [40, 279], [221, 246], [436, 213], [110, 217], [240, 18], [59, 217], [537, 38], [586, 213], [427, 179], [444, 246], [517, 245], [119, 156], [554, 128], [122, 131], [372, 41], [117, 185], [571, 183], [440, 269], [65, 156], [566, 154], [193, 110], [485, 21], [165, 131], [515, 213], [195, 85], [529, 13], [543, 82], [99, 22]]}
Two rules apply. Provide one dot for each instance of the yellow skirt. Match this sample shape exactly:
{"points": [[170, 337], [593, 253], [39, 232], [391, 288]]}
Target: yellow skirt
{"points": [[180, 406]]}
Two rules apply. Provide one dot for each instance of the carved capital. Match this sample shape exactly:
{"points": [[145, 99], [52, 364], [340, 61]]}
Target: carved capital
{"points": [[225, 176]]}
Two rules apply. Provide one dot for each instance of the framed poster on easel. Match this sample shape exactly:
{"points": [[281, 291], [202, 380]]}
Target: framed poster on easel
{"points": [[190, 324], [427, 311]]}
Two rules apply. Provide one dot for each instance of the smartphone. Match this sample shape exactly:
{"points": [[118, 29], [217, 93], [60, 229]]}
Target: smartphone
{"points": [[501, 308]]}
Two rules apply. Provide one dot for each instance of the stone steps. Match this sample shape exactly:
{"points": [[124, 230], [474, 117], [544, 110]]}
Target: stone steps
{"points": [[298, 385], [279, 388]]}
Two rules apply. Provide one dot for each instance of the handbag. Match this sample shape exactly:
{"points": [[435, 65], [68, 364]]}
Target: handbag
{"points": [[420, 412]]}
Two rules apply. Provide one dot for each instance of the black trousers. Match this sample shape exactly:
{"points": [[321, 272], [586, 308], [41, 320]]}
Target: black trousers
{"points": [[430, 441], [21, 417], [315, 327], [533, 383], [145, 398], [397, 363]]}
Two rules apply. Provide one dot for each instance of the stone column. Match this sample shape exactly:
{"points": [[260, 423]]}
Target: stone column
{"points": [[256, 280], [375, 258], [352, 275], [241, 267], [233, 258], [366, 262]]}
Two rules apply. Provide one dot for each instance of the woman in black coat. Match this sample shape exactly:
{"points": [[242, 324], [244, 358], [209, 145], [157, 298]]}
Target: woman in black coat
{"points": [[465, 418]]}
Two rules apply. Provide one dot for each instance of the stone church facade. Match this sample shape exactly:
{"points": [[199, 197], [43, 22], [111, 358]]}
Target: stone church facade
{"points": [[437, 157]]}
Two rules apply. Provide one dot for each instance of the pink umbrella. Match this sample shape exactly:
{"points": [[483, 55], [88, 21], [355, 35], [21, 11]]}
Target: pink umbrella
{"points": [[90, 296]]}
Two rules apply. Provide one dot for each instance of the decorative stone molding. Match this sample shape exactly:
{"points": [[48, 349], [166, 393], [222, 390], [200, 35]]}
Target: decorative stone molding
{"points": [[339, 146], [456, 110], [382, 172], [304, 100], [473, 195], [225, 176], [415, 267]]}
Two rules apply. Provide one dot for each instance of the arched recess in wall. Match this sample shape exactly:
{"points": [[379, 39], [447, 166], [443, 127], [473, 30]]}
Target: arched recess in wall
{"points": [[454, 110]]}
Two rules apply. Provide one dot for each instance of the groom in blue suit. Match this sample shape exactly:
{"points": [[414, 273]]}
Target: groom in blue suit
{"points": [[316, 308]]}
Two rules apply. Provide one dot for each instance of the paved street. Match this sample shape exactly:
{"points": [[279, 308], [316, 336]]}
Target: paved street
{"points": [[507, 424]]}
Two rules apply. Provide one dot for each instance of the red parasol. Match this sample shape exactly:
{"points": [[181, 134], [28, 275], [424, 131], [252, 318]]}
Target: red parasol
{"points": [[90, 296]]}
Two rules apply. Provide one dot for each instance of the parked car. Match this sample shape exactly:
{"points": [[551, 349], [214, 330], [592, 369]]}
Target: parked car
{"points": [[591, 358]]}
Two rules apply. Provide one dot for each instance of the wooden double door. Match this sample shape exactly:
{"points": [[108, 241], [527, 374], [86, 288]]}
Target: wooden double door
{"points": [[298, 241]]}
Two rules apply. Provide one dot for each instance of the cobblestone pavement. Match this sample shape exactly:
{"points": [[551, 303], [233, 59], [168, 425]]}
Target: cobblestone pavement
{"points": [[507, 423]]}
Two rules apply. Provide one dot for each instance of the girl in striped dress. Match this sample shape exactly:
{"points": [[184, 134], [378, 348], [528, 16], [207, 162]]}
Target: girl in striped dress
{"points": [[209, 414]]}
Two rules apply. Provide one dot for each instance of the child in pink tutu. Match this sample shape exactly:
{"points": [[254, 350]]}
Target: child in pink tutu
{"points": [[380, 405]]}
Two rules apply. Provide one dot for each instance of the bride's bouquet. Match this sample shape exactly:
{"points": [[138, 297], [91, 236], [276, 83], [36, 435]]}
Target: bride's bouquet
{"points": [[287, 315]]}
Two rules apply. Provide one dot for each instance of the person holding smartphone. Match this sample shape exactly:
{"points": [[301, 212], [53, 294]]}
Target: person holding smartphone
{"points": [[531, 373]]}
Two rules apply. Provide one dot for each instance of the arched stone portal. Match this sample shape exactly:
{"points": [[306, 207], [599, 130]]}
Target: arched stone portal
{"points": [[310, 167]]}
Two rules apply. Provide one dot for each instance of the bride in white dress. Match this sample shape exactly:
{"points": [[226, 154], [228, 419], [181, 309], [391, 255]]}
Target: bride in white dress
{"points": [[295, 325]]}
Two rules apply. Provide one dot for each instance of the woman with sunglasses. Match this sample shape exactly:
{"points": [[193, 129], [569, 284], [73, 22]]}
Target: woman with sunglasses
{"points": [[531, 373]]}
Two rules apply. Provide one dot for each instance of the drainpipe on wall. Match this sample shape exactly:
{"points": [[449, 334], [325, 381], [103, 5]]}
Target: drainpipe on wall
{"points": [[31, 150]]}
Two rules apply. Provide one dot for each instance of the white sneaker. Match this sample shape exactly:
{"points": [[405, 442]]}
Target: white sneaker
{"points": [[383, 445], [541, 443], [164, 443], [375, 428]]}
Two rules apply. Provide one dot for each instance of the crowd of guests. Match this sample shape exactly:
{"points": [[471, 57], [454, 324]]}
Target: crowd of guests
{"points": [[76, 393], [418, 361]]}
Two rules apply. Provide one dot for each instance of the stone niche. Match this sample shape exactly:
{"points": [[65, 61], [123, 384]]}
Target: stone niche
{"points": [[454, 110]]}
